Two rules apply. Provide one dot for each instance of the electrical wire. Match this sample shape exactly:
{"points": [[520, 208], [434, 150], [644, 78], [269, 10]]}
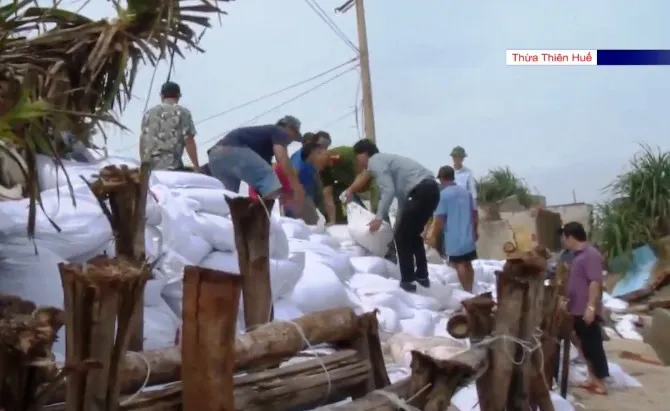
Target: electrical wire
{"points": [[331, 24], [274, 93], [282, 104], [338, 119], [258, 99]]}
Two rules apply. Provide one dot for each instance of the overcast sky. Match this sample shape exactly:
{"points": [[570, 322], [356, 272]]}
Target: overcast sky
{"points": [[439, 79]]}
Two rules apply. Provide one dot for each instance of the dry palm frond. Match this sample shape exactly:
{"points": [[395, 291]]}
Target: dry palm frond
{"points": [[79, 71]]}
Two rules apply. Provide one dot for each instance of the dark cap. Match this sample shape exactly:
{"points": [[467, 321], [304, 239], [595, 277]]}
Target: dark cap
{"points": [[458, 151], [171, 89], [446, 173], [291, 122]]}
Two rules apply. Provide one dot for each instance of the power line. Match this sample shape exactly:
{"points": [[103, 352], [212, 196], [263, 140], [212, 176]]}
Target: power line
{"points": [[280, 105], [258, 99], [274, 93], [338, 119], [330, 23]]}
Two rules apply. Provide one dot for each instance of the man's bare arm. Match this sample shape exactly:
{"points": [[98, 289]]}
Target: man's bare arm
{"points": [[360, 182], [192, 151]]}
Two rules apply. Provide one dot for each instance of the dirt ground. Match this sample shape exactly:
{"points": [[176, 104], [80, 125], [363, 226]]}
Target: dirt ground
{"points": [[654, 395]]}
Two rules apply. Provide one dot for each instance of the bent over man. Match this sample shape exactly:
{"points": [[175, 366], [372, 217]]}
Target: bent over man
{"points": [[417, 194], [168, 129], [245, 154]]}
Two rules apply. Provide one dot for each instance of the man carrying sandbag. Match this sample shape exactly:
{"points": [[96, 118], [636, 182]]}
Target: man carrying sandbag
{"points": [[245, 154], [336, 177], [417, 193], [168, 130]]}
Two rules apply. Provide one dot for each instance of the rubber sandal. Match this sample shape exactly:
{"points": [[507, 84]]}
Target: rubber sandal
{"points": [[587, 385], [596, 390]]}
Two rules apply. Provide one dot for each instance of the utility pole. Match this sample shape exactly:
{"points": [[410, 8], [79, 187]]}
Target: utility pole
{"points": [[364, 57]]}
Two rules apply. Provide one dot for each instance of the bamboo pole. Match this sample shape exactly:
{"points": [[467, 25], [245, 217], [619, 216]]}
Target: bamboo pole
{"points": [[211, 302], [251, 223], [99, 296], [480, 325], [125, 191]]}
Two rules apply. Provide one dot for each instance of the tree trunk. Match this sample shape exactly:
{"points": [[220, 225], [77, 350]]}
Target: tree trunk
{"points": [[376, 400], [251, 223], [480, 325], [211, 302]]}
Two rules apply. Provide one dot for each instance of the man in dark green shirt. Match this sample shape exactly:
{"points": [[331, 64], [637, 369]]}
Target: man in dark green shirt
{"points": [[335, 179]]}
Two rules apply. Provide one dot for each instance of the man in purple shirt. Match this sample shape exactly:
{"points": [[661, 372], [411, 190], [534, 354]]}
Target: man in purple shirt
{"points": [[584, 292]]}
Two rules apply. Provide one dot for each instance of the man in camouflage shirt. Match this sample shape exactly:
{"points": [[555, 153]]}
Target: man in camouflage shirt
{"points": [[168, 129]]}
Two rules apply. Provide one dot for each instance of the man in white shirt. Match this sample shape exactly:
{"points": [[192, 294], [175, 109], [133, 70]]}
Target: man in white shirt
{"points": [[465, 177]]}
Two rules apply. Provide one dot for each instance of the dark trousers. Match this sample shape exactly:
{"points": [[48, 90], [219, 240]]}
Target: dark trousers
{"points": [[591, 339], [417, 210]]}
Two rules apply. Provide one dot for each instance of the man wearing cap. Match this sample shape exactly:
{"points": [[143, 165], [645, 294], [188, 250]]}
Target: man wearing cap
{"points": [[455, 222], [168, 129], [245, 154], [417, 193]]}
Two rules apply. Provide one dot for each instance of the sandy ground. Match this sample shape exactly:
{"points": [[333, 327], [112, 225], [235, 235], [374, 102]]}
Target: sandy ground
{"points": [[654, 395]]}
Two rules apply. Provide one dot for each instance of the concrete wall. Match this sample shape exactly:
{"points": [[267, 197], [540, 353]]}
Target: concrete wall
{"points": [[580, 212]]}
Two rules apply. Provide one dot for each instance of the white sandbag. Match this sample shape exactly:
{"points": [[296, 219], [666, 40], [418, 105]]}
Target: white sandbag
{"points": [[216, 230], [117, 161], [153, 211], [184, 179], [33, 277], [279, 247], [388, 300], [442, 273], [195, 250], [324, 239], [71, 244], [50, 175], [173, 293], [222, 261], [318, 229], [367, 283], [319, 289], [422, 324], [358, 220], [457, 295], [153, 293], [375, 265], [433, 256], [295, 228], [389, 323], [439, 292], [285, 310], [284, 274], [160, 326], [424, 302], [171, 265], [320, 253], [353, 250], [153, 242], [210, 200], [340, 232]]}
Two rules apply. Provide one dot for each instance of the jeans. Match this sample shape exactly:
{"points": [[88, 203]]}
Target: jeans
{"points": [[232, 165], [417, 210]]}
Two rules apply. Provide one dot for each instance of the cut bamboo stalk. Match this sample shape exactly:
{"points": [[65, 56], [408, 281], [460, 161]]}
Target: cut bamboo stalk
{"points": [[211, 302], [277, 339], [99, 296], [252, 239], [125, 191], [480, 325], [26, 361], [508, 314]]}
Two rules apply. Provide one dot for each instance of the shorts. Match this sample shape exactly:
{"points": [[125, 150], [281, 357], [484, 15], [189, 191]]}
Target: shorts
{"points": [[465, 258], [231, 165]]}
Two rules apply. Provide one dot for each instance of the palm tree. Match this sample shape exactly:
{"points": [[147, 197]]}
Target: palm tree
{"points": [[61, 71], [500, 184]]}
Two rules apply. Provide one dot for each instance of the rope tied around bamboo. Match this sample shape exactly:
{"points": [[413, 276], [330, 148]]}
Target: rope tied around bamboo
{"points": [[101, 298]]}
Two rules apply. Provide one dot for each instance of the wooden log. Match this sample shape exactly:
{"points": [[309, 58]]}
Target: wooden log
{"points": [[508, 314], [252, 239], [368, 345], [211, 302], [277, 339], [377, 400], [300, 386], [100, 300], [480, 323]]}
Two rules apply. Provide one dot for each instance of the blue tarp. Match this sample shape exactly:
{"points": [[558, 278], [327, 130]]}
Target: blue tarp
{"points": [[637, 275]]}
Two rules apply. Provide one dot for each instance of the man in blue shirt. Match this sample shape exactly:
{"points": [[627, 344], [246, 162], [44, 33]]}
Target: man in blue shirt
{"points": [[245, 154], [308, 162], [454, 220]]}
